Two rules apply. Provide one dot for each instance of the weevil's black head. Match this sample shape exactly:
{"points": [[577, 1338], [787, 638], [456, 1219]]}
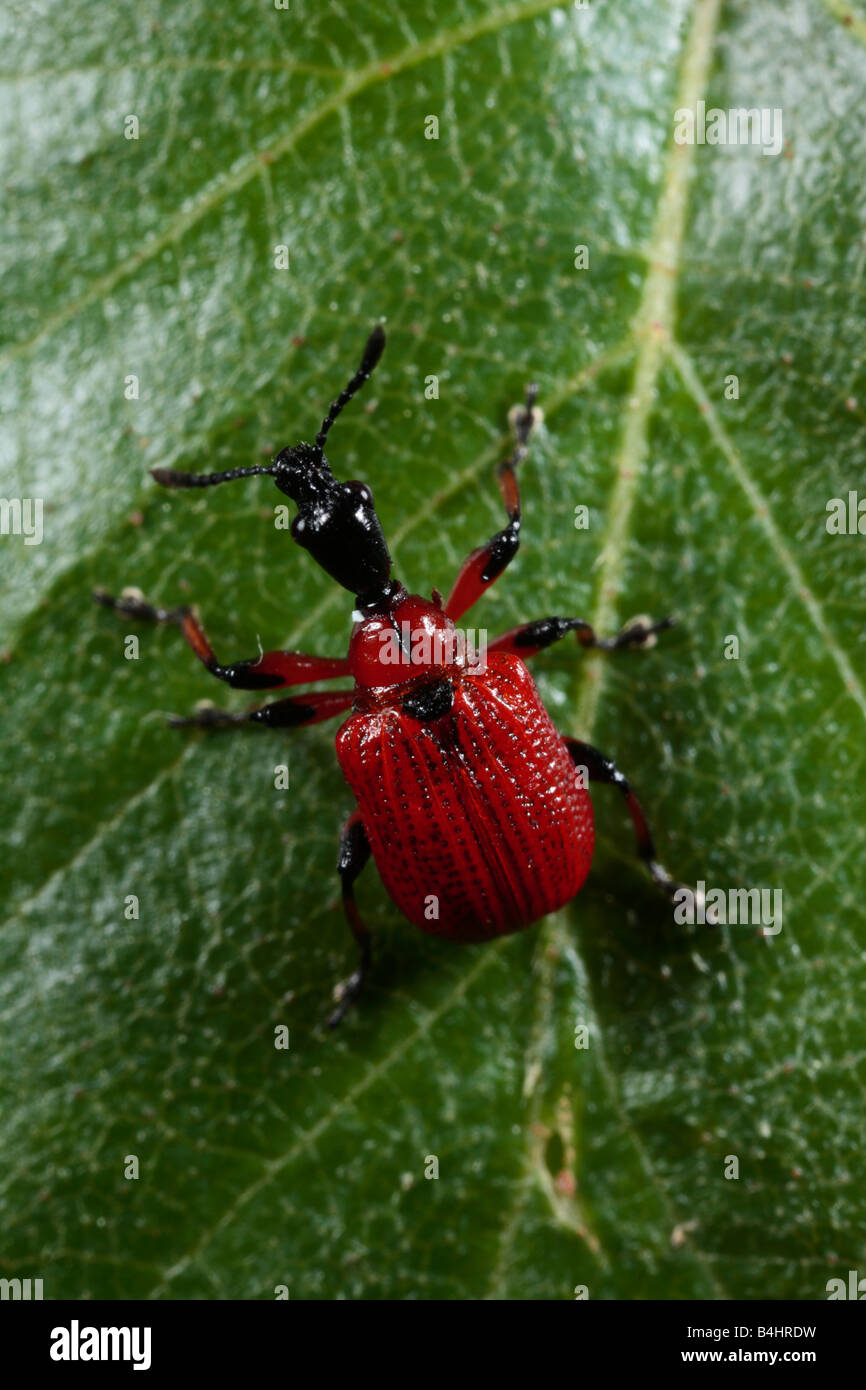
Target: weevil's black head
{"points": [[336, 521]]}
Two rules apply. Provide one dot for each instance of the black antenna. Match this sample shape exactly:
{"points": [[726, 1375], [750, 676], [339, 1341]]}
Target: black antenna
{"points": [[372, 352], [169, 477]]}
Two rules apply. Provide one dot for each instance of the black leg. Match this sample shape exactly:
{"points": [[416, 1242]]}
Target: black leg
{"points": [[602, 769], [353, 855], [529, 638], [292, 713]]}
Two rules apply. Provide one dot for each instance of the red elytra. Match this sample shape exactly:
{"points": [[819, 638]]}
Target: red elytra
{"points": [[477, 821], [474, 807]]}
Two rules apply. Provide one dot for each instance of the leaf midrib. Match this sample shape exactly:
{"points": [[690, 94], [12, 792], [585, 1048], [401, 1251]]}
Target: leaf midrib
{"points": [[653, 331]]}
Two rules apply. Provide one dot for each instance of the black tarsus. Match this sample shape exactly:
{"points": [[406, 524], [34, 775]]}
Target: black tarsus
{"points": [[503, 547], [602, 769], [545, 631], [352, 856]]}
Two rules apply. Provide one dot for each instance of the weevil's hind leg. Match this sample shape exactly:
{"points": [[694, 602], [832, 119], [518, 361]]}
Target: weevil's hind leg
{"points": [[601, 769], [529, 638], [266, 672], [486, 563], [294, 712], [353, 855]]}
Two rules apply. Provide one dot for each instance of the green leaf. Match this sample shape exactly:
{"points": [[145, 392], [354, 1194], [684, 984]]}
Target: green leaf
{"points": [[155, 258]]}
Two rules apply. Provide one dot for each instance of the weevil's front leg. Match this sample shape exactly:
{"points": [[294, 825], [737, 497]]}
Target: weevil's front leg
{"points": [[266, 672], [529, 638], [292, 713], [486, 563], [353, 855], [601, 769]]}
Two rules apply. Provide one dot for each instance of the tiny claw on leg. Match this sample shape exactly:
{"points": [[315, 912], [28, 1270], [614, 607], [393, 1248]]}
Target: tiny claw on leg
{"points": [[207, 716], [672, 888], [346, 994], [662, 879], [637, 632], [641, 631], [133, 603]]}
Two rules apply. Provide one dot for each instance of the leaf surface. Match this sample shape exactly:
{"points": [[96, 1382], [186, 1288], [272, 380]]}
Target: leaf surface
{"points": [[154, 258]]}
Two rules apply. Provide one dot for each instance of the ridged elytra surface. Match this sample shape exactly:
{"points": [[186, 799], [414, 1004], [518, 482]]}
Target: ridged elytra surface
{"points": [[480, 809]]}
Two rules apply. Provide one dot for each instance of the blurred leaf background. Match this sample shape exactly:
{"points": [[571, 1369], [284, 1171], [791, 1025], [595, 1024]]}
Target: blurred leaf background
{"points": [[154, 257]]}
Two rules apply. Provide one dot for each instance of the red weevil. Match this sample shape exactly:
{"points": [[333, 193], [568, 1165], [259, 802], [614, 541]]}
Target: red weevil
{"points": [[473, 806]]}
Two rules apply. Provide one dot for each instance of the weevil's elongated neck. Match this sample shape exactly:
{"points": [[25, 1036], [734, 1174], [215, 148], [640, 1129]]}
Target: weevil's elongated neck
{"points": [[336, 521]]}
